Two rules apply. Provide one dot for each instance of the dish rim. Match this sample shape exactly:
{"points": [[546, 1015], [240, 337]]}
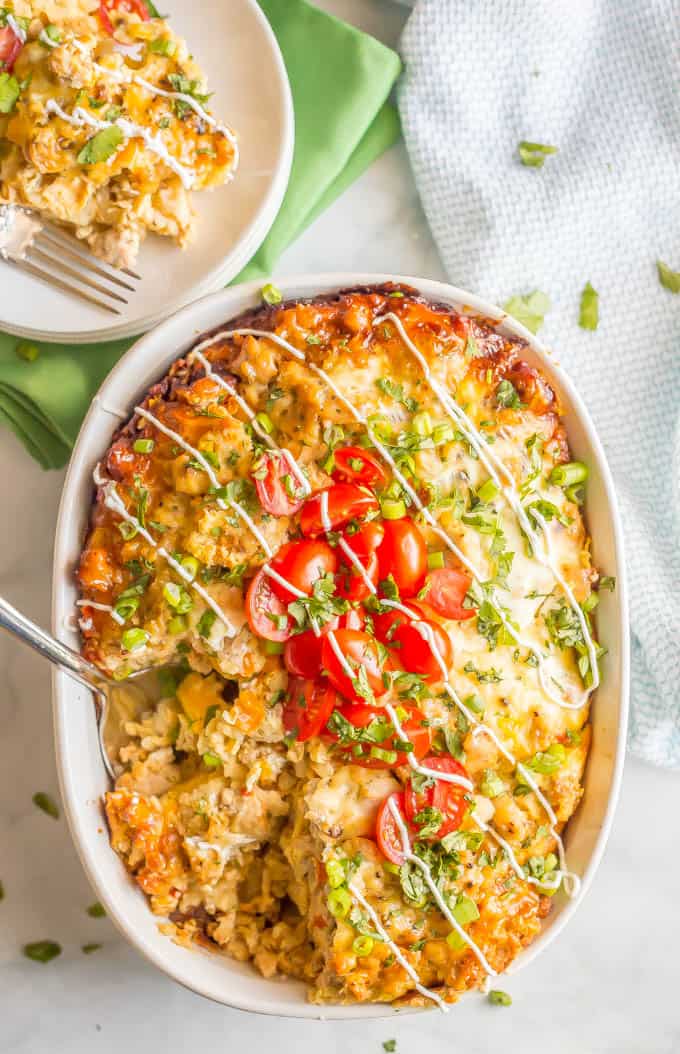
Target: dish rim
{"points": [[184, 332], [238, 256]]}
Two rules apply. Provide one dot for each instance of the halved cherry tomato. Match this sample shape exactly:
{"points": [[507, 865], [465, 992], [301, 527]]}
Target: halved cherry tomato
{"points": [[302, 564], [351, 584], [302, 654], [278, 489], [414, 640], [447, 797], [403, 554], [359, 650], [10, 46], [387, 834], [445, 591], [108, 7], [355, 465], [386, 623], [264, 610], [308, 706], [346, 501], [415, 729]]}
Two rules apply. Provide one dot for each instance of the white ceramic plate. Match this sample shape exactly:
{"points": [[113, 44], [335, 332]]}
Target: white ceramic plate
{"points": [[235, 46], [83, 779]]}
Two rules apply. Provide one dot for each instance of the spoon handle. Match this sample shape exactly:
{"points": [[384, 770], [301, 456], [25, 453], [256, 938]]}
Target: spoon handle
{"points": [[20, 626]]}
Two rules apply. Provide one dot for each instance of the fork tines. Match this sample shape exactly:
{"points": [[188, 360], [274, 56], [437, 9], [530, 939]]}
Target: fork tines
{"points": [[61, 261]]}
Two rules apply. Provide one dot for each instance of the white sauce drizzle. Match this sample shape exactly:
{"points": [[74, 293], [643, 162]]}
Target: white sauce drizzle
{"points": [[395, 949], [571, 881], [252, 416], [432, 886], [113, 501], [496, 468], [130, 130], [126, 76], [101, 607], [15, 27]]}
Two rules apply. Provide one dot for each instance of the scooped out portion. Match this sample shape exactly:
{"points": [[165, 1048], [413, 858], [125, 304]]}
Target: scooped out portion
{"points": [[349, 532]]}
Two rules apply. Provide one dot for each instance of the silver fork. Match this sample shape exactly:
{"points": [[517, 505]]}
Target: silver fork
{"points": [[54, 257], [83, 671]]}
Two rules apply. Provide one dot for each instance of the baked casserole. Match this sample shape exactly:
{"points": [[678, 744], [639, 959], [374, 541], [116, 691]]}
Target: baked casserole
{"points": [[349, 534]]}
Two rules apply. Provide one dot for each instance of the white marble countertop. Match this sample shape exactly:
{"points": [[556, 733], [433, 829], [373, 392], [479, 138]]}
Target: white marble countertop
{"points": [[609, 985]]}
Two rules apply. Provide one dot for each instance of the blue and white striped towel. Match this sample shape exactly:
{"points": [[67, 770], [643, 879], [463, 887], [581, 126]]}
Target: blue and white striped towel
{"points": [[601, 81]]}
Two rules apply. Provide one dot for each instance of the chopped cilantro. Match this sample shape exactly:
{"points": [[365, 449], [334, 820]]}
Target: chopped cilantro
{"points": [[669, 279], [533, 155], [42, 951], [396, 391], [10, 89], [389, 1045], [47, 803], [101, 146]]}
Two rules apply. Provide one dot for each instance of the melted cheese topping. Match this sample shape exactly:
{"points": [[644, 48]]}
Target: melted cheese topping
{"points": [[476, 473]]}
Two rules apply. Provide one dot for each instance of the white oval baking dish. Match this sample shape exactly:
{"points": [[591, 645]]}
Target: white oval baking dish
{"points": [[82, 775]]}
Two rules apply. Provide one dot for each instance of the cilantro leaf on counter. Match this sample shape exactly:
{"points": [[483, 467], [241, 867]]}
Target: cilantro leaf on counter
{"points": [[533, 155], [589, 315], [669, 279], [47, 804], [530, 310]]}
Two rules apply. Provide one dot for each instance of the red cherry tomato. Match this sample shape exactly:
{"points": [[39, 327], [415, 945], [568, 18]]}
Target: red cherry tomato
{"points": [[386, 623], [346, 501], [403, 554], [387, 833], [264, 610], [413, 641], [302, 564], [302, 655], [416, 731], [10, 46], [351, 584], [355, 465], [359, 650], [278, 490], [308, 706], [109, 7], [447, 797], [445, 591]]}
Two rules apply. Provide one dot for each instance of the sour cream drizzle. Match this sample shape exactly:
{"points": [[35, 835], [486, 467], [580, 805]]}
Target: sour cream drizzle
{"points": [[126, 76], [434, 890], [395, 949], [130, 130], [101, 607], [571, 881], [15, 27], [496, 468], [113, 501]]}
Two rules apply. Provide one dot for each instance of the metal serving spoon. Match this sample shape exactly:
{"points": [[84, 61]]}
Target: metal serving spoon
{"points": [[67, 659]]}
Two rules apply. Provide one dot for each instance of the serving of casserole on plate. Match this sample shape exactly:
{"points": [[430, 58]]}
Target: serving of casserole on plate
{"points": [[348, 528], [104, 123]]}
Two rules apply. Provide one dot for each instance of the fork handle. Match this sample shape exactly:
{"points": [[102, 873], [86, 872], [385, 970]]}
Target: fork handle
{"points": [[59, 654]]}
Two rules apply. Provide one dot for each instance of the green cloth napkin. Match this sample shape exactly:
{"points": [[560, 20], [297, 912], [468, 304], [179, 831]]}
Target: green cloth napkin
{"points": [[341, 80]]}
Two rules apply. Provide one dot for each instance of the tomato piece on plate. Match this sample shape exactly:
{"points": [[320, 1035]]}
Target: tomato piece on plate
{"points": [[447, 797], [267, 615], [360, 652], [132, 7], [403, 554], [414, 643], [302, 564], [445, 590], [355, 465], [10, 46], [387, 834], [308, 706], [346, 501], [278, 490]]}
